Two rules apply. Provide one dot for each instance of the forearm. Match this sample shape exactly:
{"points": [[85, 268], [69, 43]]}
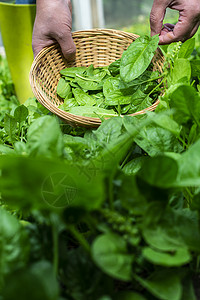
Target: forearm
{"points": [[42, 5]]}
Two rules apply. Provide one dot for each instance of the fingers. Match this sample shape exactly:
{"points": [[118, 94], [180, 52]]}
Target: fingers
{"points": [[65, 40], [167, 28], [53, 24], [187, 25], [67, 46], [157, 16], [183, 30]]}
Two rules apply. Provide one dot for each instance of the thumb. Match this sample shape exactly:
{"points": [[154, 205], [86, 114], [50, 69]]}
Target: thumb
{"points": [[67, 46], [157, 16]]}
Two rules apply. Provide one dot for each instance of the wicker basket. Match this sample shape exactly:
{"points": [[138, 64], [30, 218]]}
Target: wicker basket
{"points": [[99, 47]]}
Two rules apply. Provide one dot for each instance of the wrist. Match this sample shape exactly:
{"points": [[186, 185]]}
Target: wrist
{"points": [[42, 4]]}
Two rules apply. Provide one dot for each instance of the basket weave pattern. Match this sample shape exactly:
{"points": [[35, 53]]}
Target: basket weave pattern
{"points": [[99, 47]]}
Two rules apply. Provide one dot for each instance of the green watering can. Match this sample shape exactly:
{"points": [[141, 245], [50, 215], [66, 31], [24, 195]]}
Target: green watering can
{"points": [[16, 25]]}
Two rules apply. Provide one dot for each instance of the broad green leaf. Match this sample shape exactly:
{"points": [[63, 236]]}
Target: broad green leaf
{"points": [[21, 113], [44, 138], [195, 66], [83, 98], [99, 96], [133, 166], [109, 131], [74, 84], [136, 59], [10, 125], [173, 231], [165, 121], [173, 49], [159, 171], [156, 140], [49, 184], [140, 82], [125, 109], [71, 72], [63, 88], [14, 245], [6, 150], [90, 70], [193, 135], [20, 148], [165, 284], [189, 167], [181, 70], [114, 67], [140, 101], [187, 48], [92, 111], [110, 254], [68, 103], [98, 146], [186, 101], [175, 258], [114, 152], [135, 124], [130, 195], [88, 84], [100, 100], [37, 282], [78, 148], [113, 94], [99, 76]]}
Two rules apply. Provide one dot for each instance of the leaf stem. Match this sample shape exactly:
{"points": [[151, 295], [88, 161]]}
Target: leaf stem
{"points": [[125, 160], [22, 132], [111, 191], [151, 92], [149, 80], [198, 263], [80, 238], [55, 248], [87, 79], [183, 142]]}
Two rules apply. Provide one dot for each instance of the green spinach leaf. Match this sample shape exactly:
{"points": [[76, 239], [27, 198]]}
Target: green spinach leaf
{"points": [[136, 59], [110, 254]]}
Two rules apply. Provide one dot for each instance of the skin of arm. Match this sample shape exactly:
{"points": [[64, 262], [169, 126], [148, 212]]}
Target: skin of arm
{"points": [[53, 23], [187, 25]]}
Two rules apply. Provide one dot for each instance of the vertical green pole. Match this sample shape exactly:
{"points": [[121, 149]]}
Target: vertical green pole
{"points": [[16, 25]]}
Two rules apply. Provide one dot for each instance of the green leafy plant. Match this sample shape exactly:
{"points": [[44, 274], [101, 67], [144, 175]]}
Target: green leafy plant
{"points": [[105, 214]]}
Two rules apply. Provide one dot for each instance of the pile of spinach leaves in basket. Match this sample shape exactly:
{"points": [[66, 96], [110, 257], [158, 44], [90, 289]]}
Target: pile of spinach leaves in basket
{"points": [[124, 87]]}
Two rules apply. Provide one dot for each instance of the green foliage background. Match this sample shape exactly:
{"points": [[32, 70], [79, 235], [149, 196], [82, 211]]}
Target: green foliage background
{"points": [[108, 213]]}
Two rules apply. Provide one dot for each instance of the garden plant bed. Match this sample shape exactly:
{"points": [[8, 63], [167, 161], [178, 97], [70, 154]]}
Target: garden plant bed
{"points": [[108, 213]]}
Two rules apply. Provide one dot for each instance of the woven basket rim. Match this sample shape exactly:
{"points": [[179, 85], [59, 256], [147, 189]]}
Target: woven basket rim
{"points": [[45, 101]]}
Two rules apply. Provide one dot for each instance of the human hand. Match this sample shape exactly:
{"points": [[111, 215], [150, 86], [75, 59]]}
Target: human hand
{"points": [[187, 25], [54, 23]]}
